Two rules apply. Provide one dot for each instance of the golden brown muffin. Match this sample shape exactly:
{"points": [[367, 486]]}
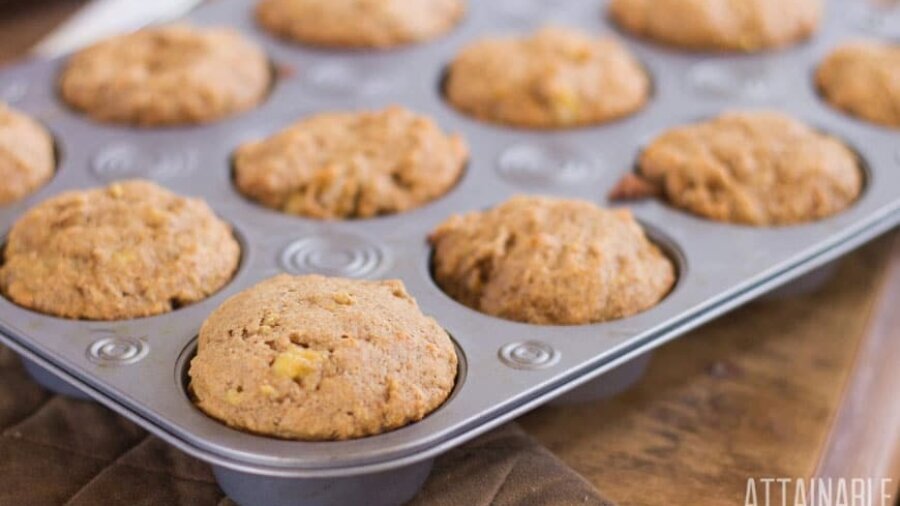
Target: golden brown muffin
{"points": [[26, 155], [129, 250], [756, 168], [317, 358], [174, 75], [555, 78], [351, 164], [550, 261], [719, 25], [863, 79], [359, 23]]}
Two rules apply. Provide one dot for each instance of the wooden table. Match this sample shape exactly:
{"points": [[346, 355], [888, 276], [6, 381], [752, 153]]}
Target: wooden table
{"points": [[800, 387]]}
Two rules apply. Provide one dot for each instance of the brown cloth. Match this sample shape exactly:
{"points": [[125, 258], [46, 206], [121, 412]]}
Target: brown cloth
{"points": [[55, 451]]}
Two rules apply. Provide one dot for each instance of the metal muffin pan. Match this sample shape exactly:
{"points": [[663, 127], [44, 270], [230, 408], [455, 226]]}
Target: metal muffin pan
{"points": [[136, 367]]}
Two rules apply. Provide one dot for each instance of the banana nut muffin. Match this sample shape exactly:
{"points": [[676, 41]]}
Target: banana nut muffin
{"points": [[863, 79], [351, 164], [318, 358], [555, 78], [129, 250], [718, 25], [359, 23], [756, 168], [550, 261], [172, 75], [26, 155]]}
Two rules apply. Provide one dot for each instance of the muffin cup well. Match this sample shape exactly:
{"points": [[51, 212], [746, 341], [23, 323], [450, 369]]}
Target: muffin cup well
{"points": [[182, 377], [807, 284], [609, 385], [392, 487], [51, 382], [387, 488]]}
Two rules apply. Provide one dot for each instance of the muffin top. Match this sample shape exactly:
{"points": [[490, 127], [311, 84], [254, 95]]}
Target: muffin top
{"points": [[717, 25], [863, 79], [550, 261], [26, 155], [755, 168], [359, 23], [129, 250], [555, 78], [351, 164], [317, 358], [172, 75]]}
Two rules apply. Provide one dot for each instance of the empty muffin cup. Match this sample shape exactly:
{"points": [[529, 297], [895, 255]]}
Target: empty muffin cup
{"points": [[387, 488], [609, 384], [807, 284], [51, 382]]}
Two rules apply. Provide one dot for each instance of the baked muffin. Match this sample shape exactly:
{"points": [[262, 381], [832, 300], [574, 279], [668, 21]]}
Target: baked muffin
{"points": [[26, 155], [555, 78], [129, 250], [351, 164], [863, 79], [716, 25], [317, 358], [755, 168], [359, 23], [550, 261], [173, 75]]}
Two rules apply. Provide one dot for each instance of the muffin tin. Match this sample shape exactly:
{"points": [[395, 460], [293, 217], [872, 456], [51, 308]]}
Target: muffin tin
{"points": [[137, 367]]}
